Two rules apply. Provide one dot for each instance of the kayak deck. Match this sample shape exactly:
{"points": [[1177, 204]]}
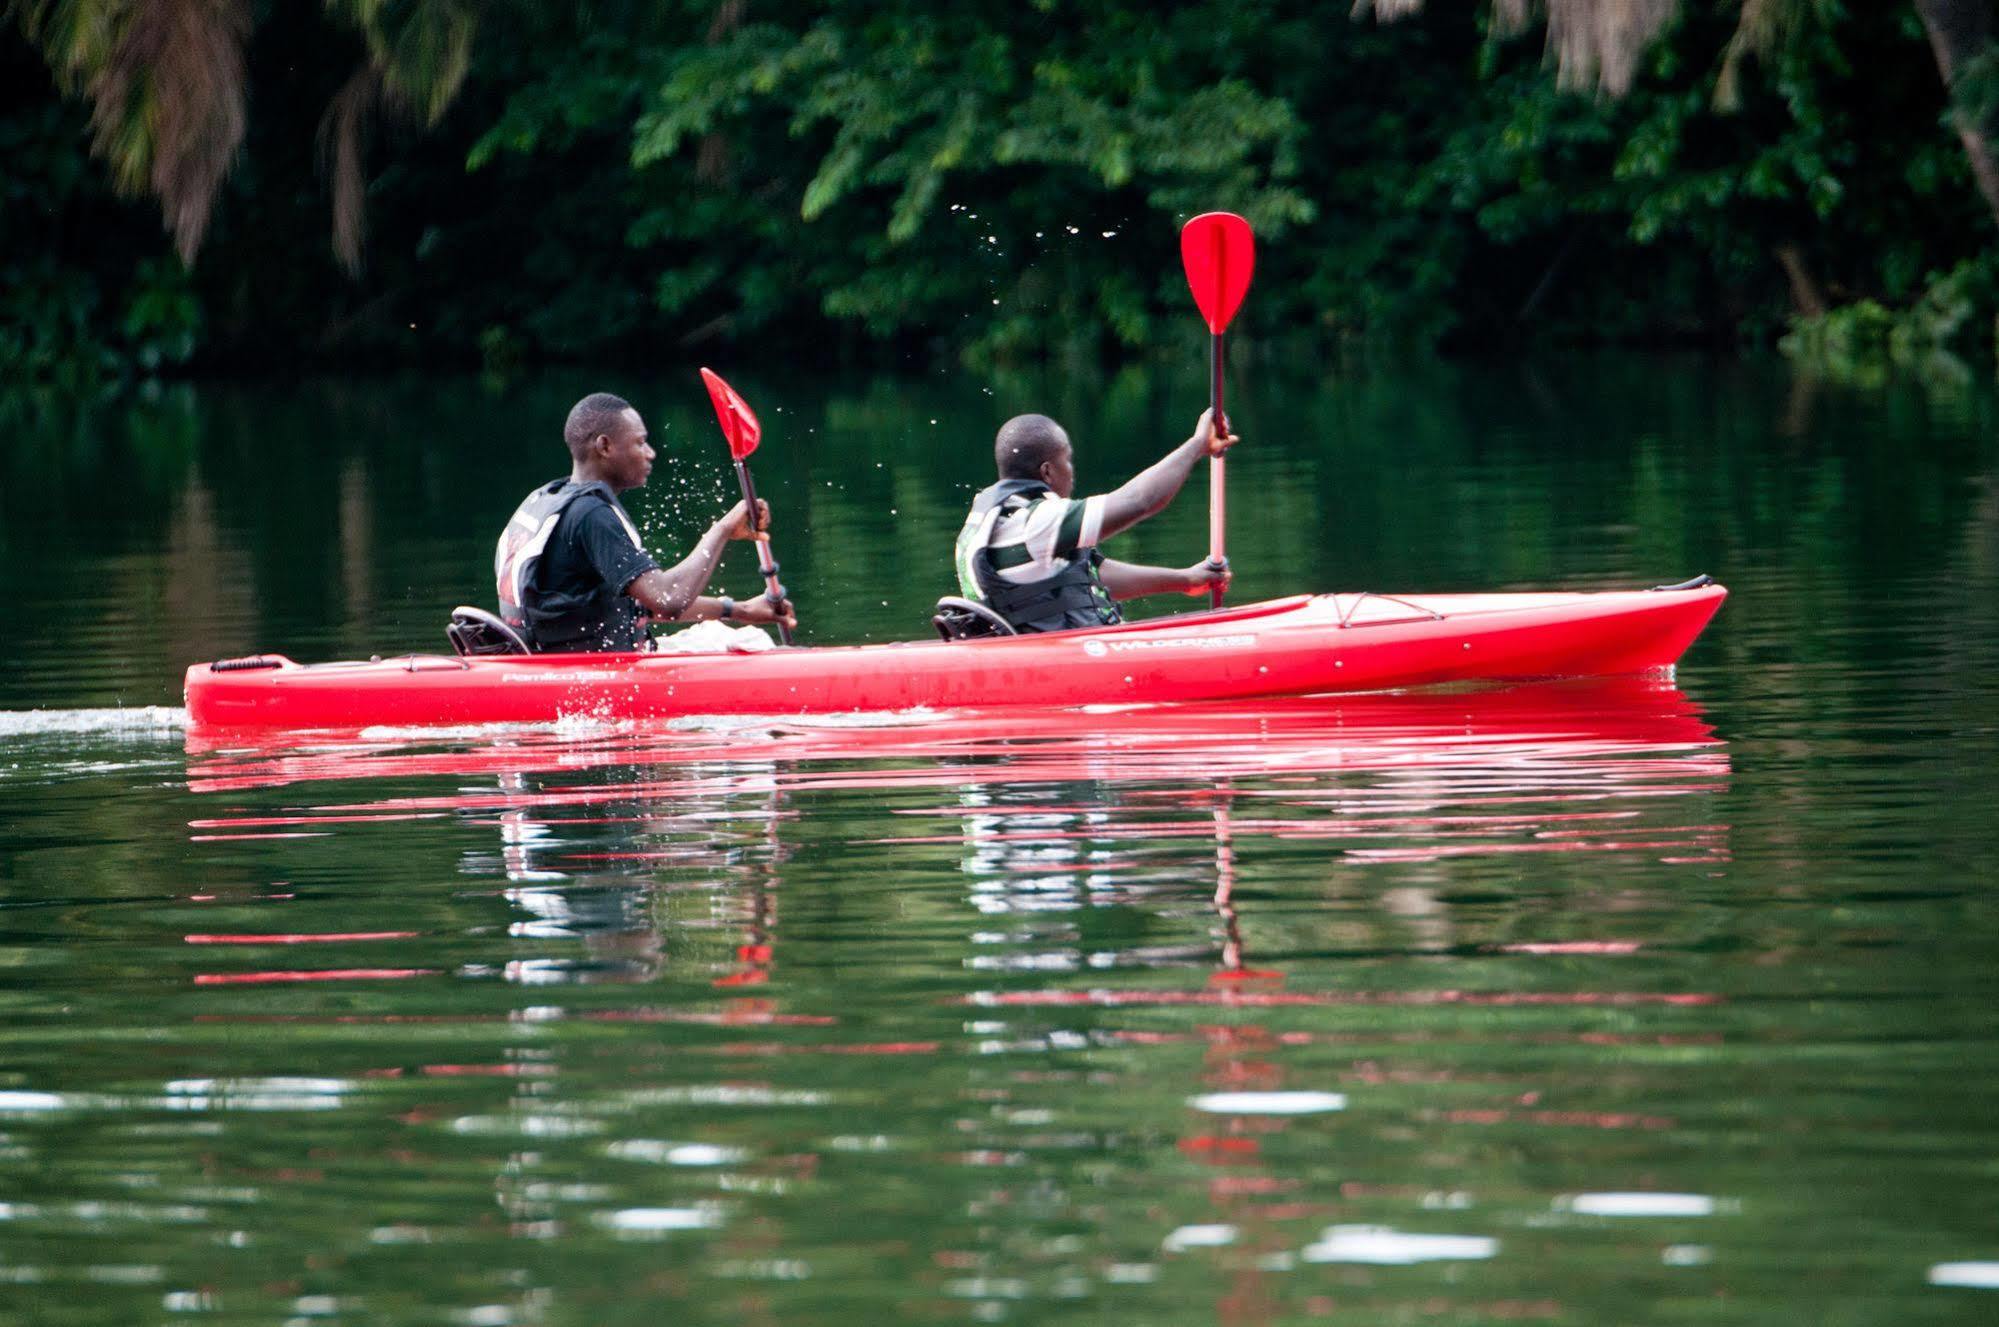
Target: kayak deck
{"points": [[1297, 646]]}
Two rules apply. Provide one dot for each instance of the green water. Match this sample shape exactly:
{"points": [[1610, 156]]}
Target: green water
{"points": [[1643, 1001]]}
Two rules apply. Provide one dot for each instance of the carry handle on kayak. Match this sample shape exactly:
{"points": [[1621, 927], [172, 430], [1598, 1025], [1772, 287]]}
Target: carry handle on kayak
{"points": [[1218, 251]]}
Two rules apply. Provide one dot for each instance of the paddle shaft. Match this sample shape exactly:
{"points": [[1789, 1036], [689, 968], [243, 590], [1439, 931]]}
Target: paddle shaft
{"points": [[1218, 507], [765, 558]]}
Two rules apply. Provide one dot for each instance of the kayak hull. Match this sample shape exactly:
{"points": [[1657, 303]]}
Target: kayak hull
{"points": [[1299, 646]]}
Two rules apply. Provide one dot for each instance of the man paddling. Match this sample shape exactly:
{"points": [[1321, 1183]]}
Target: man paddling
{"points": [[1028, 550], [573, 573]]}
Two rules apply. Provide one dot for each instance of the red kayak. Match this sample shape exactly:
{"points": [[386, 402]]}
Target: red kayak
{"points": [[1304, 645]]}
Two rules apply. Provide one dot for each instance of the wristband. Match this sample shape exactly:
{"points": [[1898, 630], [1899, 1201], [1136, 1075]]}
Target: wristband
{"points": [[728, 608]]}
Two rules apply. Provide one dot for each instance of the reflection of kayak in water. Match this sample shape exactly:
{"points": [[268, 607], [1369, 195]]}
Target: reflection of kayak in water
{"points": [[1626, 736], [1298, 646]]}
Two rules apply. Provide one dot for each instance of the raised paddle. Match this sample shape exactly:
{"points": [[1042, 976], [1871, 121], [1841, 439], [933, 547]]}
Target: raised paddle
{"points": [[1219, 253], [740, 428]]}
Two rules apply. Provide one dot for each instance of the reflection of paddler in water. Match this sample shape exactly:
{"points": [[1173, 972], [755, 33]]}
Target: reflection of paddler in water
{"points": [[758, 905], [605, 911], [1051, 848], [612, 900], [1053, 853], [1236, 1061]]}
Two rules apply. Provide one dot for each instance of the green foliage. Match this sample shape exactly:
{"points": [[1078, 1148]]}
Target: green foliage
{"points": [[162, 322], [1975, 94], [76, 304], [1954, 316], [904, 168], [1004, 182]]}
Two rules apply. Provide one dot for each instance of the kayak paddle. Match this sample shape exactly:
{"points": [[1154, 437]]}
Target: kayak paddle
{"points": [[1219, 253], [740, 428]]}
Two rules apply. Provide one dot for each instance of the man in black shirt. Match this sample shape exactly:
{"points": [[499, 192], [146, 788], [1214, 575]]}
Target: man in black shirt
{"points": [[573, 573]]}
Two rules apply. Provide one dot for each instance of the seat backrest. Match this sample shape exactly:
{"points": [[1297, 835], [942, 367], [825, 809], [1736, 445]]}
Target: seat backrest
{"points": [[474, 631], [968, 619]]}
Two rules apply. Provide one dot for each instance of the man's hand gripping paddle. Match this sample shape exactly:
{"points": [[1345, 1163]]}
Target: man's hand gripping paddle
{"points": [[1219, 253], [740, 428]]}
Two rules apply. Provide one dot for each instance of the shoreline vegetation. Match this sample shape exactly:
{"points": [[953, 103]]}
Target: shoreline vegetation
{"points": [[443, 184]]}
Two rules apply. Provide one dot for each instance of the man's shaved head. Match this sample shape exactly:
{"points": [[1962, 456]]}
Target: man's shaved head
{"points": [[1025, 444], [597, 413]]}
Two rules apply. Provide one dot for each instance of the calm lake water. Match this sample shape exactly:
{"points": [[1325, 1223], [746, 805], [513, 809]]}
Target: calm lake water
{"points": [[1633, 1001]]}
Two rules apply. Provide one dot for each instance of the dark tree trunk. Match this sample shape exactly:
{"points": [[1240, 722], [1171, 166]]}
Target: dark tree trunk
{"points": [[1960, 31]]}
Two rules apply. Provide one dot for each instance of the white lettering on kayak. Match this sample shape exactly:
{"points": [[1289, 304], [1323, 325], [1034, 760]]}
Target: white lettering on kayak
{"points": [[568, 675], [1096, 649]]}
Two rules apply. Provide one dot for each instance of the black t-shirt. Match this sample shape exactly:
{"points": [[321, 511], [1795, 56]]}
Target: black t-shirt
{"points": [[590, 559]]}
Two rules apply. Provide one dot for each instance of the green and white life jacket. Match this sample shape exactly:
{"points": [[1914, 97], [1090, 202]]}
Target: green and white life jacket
{"points": [[1074, 596]]}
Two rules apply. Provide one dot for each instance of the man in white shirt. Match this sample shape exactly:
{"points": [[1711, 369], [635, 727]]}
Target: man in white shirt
{"points": [[1028, 550]]}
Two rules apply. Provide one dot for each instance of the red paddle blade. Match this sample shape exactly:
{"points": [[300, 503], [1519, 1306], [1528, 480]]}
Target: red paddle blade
{"points": [[1219, 253], [739, 422]]}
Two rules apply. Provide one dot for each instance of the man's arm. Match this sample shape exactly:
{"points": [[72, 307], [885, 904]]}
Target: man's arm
{"points": [[752, 612], [1126, 580], [669, 594], [1147, 493]]}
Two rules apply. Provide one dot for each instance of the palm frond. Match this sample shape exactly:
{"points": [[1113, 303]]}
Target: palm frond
{"points": [[421, 48], [418, 55], [1386, 11], [1511, 17], [1594, 43], [166, 83], [343, 145], [1762, 26], [1598, 43]]}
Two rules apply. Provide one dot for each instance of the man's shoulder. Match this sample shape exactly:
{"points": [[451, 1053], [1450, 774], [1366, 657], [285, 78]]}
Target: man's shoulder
{"points": [[551, 494], [590, 506], [1048, 507], [598, 519], [1039, 504], [597, 513], [586, 519]]}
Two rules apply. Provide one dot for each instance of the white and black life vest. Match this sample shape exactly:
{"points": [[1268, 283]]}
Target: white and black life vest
{"points": [[1073, 597], [604, 618]]}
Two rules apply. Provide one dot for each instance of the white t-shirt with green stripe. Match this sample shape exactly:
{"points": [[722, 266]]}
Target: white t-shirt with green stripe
{"points": [[1029, 542]]}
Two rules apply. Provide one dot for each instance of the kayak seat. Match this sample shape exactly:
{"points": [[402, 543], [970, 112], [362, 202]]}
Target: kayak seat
{"points": [[474, 631], [968, 619]]}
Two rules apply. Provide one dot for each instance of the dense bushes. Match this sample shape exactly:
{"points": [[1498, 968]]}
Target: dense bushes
{"points": [[998, 181]]}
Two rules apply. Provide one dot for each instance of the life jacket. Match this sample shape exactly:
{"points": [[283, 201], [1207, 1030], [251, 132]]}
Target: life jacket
{"points": [[604, 618], [1073, 597]]}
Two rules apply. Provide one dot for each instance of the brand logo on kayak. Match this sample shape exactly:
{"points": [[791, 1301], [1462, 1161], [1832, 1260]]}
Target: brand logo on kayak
{"points": [[1097, 649], [566, 675]]}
